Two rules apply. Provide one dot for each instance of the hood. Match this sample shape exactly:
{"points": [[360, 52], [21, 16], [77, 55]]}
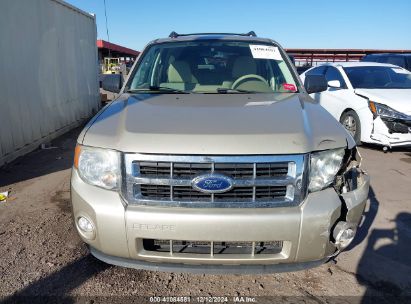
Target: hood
{"points": [[209, 124], [398, 99]]}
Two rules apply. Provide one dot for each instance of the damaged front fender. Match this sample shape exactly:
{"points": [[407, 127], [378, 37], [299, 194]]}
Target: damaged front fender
{"points": [[352, 187], [353, 191], [355, 200]]}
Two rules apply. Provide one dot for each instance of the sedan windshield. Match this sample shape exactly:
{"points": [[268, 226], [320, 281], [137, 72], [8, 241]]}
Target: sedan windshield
{"points": [[378, 77], [213, 66]]}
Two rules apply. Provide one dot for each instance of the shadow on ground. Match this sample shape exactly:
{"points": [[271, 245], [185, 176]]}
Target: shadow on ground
{"points": [[55, 287], [59, 156], [385, 257]]}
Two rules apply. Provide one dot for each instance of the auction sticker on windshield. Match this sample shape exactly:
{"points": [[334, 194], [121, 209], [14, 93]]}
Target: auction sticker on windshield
{"points": [[265, 52]]}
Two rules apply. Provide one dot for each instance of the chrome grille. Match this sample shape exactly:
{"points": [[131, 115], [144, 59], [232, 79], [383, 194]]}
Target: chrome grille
{"points": [[258, 181], [191, 170], [188, 193]]}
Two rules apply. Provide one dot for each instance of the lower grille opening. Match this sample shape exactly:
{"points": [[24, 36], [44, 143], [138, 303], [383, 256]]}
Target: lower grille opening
{"points": [[233, 247], [216, 248]]}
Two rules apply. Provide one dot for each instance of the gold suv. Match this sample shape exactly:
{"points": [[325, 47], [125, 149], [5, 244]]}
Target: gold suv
{"points": [[215, 159]]}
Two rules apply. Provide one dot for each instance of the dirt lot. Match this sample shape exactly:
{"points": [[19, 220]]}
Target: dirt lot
{"points": [[42, 258]]}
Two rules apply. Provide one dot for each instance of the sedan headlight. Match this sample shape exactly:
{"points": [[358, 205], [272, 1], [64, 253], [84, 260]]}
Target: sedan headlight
{"points": [[382, 110], [324, 166], [98, 167]]}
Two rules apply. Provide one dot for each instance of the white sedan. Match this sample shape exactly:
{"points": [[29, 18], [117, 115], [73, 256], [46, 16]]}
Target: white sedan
{"points": [[371, 100]]}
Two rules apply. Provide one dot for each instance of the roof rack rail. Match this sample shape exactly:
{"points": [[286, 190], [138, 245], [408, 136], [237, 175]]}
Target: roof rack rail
{"points": [[175, 35]]}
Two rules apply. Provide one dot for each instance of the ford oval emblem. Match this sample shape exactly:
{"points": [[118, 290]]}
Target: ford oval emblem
{"points": [[212, 183]]}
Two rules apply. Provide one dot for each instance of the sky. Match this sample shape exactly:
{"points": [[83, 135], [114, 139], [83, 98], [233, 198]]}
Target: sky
{"points": [[360, 24]]}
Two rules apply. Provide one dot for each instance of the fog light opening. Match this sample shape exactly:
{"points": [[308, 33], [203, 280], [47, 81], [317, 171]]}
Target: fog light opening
{"points": [[343, 234], [85, 225]]}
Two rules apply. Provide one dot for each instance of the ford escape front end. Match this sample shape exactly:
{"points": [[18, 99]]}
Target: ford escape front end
{"points": [[215, 159]]}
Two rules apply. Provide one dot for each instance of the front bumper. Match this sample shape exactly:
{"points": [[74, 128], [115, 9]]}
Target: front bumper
{"points": [[381, 134], [305, 230], [210, 269]]}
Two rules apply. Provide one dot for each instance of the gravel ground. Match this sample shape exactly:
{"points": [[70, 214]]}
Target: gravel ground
{"points": [[43, 260]]}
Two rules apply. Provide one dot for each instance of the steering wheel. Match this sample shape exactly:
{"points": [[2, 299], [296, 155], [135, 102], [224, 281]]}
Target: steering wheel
{"points": [[246, 77]]}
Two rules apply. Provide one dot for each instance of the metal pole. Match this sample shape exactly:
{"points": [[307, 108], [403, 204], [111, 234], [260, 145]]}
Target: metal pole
{"points": [[108, 36]]}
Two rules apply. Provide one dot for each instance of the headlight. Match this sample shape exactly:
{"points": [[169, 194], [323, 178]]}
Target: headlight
{"points": [[98, 167], [324, 166], [382, 110]]}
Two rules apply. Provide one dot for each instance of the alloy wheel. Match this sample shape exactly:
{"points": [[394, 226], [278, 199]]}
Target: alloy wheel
{"points": [[350, 124]]}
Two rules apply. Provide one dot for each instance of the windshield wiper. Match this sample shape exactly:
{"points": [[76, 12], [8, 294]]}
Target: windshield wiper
{"points": [[226, 90], [158, 89], [167, 89]]}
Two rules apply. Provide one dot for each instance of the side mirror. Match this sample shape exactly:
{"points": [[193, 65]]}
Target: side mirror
{"points": [[112, 83], [315, 83], [336, 84]]}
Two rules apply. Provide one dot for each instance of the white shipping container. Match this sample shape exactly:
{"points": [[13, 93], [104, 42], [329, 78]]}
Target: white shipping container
{"points": [[48, 72]]}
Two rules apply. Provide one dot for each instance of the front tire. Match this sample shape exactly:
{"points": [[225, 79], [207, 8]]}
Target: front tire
{"points": [[351, 122]]}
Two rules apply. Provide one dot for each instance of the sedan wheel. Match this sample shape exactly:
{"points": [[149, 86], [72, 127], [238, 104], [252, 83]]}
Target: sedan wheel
{"points": [[352, 124]]}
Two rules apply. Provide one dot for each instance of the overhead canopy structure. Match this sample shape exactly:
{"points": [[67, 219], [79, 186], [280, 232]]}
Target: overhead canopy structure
{"points": [[312, 57], [108, 49]]}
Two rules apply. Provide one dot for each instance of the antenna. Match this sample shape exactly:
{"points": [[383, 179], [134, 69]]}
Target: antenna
{"points": [[108, 36]]}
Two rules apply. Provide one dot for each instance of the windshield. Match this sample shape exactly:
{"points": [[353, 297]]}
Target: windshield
{"points": [[378, 77], [213, 67]]}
